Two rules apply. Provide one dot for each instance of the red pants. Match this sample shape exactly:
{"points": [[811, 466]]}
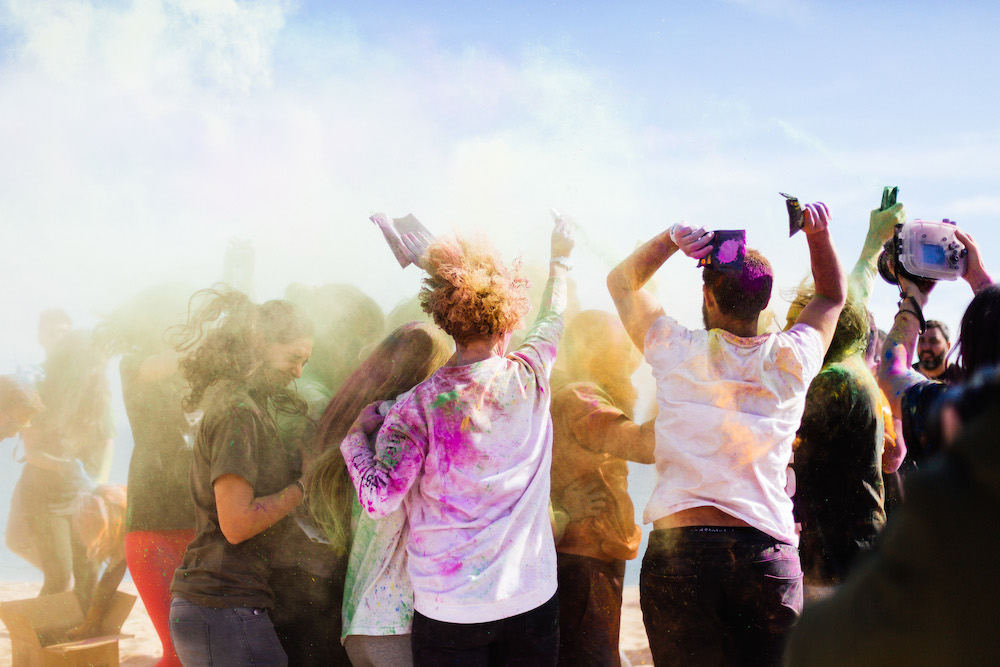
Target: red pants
{"points": [[152, 557]]}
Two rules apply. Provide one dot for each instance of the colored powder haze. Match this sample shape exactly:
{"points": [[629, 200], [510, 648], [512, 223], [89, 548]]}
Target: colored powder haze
{"points": [[139, 136]]}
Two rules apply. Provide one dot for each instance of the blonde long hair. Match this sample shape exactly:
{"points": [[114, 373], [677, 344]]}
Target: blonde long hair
{"points": [[407, 356], [99, 520]]}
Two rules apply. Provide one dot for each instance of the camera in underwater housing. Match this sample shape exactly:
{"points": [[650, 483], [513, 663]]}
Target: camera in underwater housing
{"points": [[923, 250]]}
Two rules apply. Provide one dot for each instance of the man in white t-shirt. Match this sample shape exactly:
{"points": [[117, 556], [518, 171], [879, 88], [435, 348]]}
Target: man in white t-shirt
{"points": [[721, 581]]}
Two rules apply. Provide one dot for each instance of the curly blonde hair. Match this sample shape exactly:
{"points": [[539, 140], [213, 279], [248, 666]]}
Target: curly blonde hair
{"points": [[470, 293]]}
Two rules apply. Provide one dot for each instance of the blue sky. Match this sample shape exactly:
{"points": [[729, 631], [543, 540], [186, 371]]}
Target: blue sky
{"points": [[139, 136]]}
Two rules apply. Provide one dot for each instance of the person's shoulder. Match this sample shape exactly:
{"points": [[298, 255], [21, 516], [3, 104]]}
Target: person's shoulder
{"points": [[227, 401], [665, 329], [843, 379], [804, 341], [419, 396], [581, 391], [924, 391], [800, 332]]}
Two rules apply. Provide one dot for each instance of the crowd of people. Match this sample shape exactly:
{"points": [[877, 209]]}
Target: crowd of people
{"points": [[307, 490]]}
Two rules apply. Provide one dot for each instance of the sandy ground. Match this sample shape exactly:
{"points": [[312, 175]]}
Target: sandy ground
{"points": [[143, 648]]}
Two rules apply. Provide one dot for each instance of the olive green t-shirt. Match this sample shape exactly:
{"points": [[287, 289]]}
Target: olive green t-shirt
{"points": [[236, 437]]}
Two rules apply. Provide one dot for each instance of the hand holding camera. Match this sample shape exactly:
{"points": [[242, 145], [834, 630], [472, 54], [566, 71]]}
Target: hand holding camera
{"points": [[975, 273], [923, 251]]}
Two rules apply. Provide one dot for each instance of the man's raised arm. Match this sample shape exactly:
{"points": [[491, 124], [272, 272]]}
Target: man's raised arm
{"points": [[822, 312], [637, 308]]}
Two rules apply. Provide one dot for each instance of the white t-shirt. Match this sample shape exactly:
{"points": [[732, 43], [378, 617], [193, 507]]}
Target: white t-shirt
{"points": [[729, 408], [378, 597], [474, 443]]}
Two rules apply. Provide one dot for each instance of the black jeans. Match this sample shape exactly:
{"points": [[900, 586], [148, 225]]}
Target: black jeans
{"points": [[718, 596], [529, 639], [590, 610]]}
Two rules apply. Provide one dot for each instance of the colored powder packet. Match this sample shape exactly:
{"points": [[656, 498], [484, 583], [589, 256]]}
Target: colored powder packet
{"points": [[728, 250]]}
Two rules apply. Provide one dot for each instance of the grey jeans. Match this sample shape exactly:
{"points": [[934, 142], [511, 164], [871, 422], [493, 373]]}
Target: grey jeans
{"points": [[209, 637]]}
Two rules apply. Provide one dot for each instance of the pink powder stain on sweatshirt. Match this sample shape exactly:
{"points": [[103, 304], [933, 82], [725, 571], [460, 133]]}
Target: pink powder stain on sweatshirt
{"points": [[457, 416], [450, 566]]}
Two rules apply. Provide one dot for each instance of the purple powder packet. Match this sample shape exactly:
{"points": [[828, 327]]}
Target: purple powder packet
{"points": [[728, 250]]}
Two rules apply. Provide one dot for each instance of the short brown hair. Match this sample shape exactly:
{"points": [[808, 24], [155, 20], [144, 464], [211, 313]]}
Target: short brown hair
{"points": [[470, 293], [742, 295]]}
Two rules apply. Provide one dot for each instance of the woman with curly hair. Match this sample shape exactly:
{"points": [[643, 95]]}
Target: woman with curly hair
{"points": [[469, 450], [377, 605], [239, 359]]}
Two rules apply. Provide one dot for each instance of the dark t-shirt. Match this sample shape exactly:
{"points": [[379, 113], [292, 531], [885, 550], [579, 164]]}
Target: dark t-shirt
{"points": [[237, 436], [928, 594], [839, 496], [159, 494], [919, 406], [952, 374]]}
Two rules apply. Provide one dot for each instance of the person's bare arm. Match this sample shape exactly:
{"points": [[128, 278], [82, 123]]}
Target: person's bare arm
{"points": [[894, 447], [103, 595], [631, 441], [637, 308], [895, 373], [822, 312], [242, 515], [881, 226]]}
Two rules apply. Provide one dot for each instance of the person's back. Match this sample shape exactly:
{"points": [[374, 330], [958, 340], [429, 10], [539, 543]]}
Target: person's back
{"points": [[729, 408], [927, 595], [839, 494], [721, 580], [469, 451], [593, 438], [485, 429]]}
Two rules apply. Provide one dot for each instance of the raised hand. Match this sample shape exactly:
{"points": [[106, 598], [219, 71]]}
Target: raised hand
{"points": [[694, 242], [975, 273], [562, 236], [816, 218], [416, 244], [882, 224]]}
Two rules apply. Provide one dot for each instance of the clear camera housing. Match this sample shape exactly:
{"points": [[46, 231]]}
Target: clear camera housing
{"points": [[930, 249]]}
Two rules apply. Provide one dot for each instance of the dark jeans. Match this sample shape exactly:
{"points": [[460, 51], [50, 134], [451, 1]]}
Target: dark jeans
{"points": [[718, 596], [307, 617], [590, 610], [527, 640], [209, 637]]}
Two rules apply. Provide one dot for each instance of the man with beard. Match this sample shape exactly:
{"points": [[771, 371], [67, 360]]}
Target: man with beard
{"points": [[932, 352], [721, 581]]}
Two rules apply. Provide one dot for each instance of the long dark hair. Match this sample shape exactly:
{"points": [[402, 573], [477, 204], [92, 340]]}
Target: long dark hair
{"points": [[979, 337], [406, 357], [223, 339]]}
